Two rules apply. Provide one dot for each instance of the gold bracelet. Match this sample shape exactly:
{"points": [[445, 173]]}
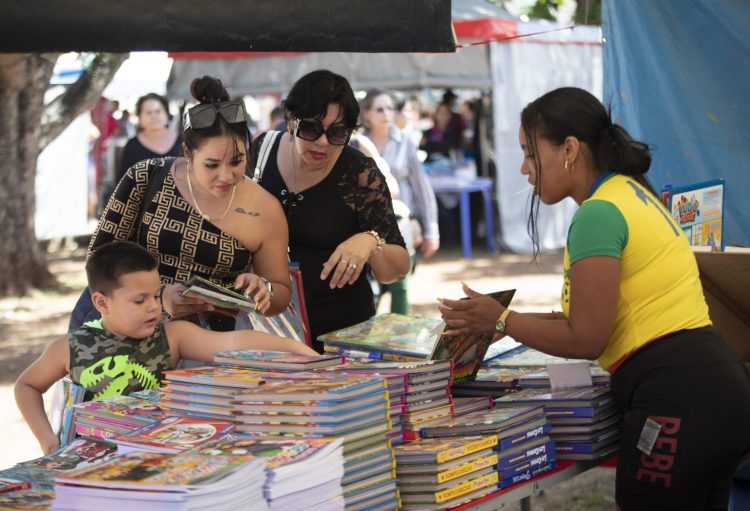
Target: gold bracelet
{"points": [[380, 241]]}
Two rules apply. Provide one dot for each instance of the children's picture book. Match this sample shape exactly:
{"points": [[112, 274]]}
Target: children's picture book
{"points": [[393, 333], [172, 435], [66, 395], [698, 209], [553, 400], [28, 500], [468, 351], [328, 387], [218, 296], [275, 360], [237, 377], [159, 471]]}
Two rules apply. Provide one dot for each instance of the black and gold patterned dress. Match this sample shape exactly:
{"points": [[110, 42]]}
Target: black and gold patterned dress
{"points": [[353, 198], [183, 243]]}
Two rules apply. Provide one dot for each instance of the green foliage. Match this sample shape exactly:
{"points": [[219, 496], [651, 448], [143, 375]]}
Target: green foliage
{"points": [[543, 9]]}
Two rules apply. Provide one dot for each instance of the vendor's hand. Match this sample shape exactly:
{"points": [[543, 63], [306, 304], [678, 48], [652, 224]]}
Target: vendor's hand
{"points": [[348, 260], [179, 306], [476, 314], [429, 247], [255, 288]]}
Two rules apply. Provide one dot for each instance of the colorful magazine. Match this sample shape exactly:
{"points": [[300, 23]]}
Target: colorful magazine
{"points": [[218, 296], [27, 500], [172, 435]]}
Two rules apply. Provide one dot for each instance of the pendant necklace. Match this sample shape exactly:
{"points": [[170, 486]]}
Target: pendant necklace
{"points": [[198, 208], [289, 202]]}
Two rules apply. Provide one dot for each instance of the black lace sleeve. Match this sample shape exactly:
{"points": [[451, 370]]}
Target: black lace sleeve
{"points": [[117, 222], [365, 190]]}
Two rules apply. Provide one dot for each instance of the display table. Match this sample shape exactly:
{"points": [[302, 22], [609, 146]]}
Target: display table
{"points": [[464, 187]]}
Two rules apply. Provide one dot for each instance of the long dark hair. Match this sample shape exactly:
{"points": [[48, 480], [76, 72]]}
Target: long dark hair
{"points": [[209, 90], [570, 111]]}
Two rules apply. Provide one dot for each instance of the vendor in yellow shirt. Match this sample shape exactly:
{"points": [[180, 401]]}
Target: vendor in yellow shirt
{"points": [[632, 299]]}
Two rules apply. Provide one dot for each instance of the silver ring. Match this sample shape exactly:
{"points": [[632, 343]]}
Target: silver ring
{"points": [[353, 266]]}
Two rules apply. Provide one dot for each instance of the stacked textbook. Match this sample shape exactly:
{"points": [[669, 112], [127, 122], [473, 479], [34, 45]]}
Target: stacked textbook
{"points": [[585, 420], [353, 407], [440, 473], [524, 450], [113, 416], [160, 481]]}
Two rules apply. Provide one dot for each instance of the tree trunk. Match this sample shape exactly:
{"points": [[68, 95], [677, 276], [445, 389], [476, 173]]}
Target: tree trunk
{"points": [[23, 80], [27, 126]]}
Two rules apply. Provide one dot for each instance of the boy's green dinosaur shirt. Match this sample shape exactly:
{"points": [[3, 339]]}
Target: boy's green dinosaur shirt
{"points": [[107, 366]]}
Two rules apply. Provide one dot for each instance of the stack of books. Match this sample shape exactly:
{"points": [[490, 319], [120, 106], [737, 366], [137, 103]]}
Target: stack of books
{"points": [[439, 473], [115, 416], [172, 435], [540, 379], [157, 481], [353, 407], [206, 391], [417, 390], [276, 361], [300, 474], [490, 381], [585, 420], [27, 499]]}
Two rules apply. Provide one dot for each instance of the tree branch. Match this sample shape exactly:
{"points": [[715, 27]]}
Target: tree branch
{"points": [[80, 97]]}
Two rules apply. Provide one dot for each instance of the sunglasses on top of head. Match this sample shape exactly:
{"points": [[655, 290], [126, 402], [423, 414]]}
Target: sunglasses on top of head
{"points": [[204, 115], [312, 130]]}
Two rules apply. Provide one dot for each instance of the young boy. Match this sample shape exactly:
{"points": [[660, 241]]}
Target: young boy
{"points": [[129, 347]]}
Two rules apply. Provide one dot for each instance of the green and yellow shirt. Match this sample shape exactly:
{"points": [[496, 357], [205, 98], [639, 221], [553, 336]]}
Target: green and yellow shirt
{"points": [[660, 291]]}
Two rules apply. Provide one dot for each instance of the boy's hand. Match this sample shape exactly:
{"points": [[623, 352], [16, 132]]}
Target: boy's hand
{"points": [[49, 443], [179, 306]]}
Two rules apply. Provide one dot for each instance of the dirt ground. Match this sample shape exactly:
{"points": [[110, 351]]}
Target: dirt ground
{"points": [[28, 324]]}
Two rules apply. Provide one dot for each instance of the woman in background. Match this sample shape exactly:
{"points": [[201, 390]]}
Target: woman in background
{"points": [[154, 138], [398, 150]]}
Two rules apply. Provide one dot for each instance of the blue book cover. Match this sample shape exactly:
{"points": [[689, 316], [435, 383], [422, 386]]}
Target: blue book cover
{"points": [[525, 452], [523, 432], [527, 474]]}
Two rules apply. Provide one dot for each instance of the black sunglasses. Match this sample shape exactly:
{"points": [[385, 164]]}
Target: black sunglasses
{"points": [[312, 130], [204, 115]]}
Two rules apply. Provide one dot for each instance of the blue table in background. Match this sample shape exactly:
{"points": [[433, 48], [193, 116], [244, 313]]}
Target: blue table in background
{"points": [[463, 187]]}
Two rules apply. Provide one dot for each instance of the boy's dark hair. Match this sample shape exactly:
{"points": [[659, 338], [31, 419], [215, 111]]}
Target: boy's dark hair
{"points": [[113, 260]]}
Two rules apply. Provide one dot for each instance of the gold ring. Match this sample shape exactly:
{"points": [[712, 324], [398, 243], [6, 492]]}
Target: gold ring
{"points": [[342, 260]]}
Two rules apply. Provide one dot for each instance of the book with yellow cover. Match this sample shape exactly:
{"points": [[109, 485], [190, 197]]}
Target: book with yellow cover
{"points": [[488, 479], [438, 450]]}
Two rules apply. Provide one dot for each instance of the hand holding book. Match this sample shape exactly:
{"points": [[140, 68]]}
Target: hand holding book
{"points": [[475, 314]]}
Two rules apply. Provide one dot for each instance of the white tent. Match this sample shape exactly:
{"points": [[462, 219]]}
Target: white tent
{"points": [[517, 70]]}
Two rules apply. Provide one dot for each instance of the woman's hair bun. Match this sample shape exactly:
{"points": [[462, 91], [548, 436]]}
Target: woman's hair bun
{"points": [[208, 89]]}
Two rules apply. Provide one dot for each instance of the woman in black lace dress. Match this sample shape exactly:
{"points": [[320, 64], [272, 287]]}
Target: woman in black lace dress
{"points": [[336, 202]]}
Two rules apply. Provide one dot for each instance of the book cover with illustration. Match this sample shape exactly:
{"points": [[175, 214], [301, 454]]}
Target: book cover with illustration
{"points": [[555, 399], [698, 209], [27, 500], [328, 387], [468, 351], [172, 435], [276, 360], [238, 377], [157, 471], [483, 422], [398, 334]]}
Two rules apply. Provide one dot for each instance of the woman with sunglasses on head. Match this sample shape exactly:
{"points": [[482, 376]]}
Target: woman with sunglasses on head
{"points": [[337, 204], [207, 218], [399, 151], [631, 298]]}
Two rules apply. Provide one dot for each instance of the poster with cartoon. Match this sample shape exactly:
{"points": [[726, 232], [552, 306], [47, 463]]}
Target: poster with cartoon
{"points": [[699, 211]]}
